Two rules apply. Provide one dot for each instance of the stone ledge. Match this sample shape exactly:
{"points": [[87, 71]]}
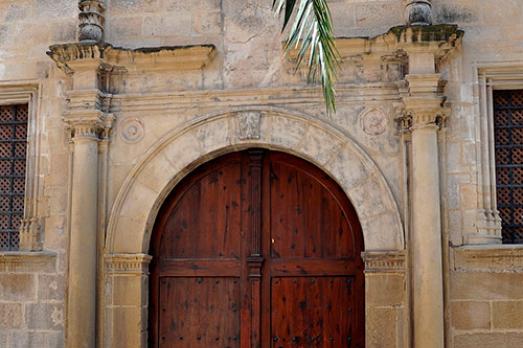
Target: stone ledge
{"points": [[488, 258], [150, 58], [27, 262]]}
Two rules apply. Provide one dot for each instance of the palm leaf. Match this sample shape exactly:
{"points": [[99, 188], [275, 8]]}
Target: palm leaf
{"points": [[311, 34]]}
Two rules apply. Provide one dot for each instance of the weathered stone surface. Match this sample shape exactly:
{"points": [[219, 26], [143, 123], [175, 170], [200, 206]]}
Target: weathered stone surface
{"points": [[488, 340], [507, 315], [45, 316], [51, 287], [486, 286], [11, 316], [385, 289], [17, 287], [470, 315]]}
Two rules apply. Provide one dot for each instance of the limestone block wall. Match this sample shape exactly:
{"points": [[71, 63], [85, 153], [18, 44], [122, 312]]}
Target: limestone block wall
{"points": [[33, 286], [483, 286]]}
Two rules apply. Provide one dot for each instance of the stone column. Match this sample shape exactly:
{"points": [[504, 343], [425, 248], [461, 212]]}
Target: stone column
{"points": [[423, 106], [81, 304], [87, 120], [418, 12]]}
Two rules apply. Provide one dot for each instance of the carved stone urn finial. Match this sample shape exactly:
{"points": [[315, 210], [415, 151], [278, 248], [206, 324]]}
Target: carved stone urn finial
{"points": [[91, 21], [419, 12]]}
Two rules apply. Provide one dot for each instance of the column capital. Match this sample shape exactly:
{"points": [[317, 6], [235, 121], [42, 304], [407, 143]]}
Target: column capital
{"points": [[88, 125], [424, 102], [127, 263], [385, 261]]}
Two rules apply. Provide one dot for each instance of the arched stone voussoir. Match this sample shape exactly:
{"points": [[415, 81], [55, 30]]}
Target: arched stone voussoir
{"points": [[181, 150]]}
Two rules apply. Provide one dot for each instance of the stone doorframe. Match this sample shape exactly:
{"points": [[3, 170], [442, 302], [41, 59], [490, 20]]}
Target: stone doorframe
{"points": [[210, 136]]}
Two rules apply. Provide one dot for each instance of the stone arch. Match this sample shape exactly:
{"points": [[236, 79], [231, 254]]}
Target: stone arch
{"points": [[178, 152]]}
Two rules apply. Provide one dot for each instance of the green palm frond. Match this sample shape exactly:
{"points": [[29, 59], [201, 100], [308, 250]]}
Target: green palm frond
{"points": [[311, 34]]}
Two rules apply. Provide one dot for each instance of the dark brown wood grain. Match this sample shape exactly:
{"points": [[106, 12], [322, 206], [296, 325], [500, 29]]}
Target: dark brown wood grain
{"points": [[257, 249]]}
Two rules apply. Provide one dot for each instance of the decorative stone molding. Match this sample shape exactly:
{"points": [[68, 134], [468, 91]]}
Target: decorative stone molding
{"points": [[88, 125], [23, 262], [250, 122], [140, 59], [439, 39], [28, 92], [502, 259], [385, 261], [424, 102], [91, 21], [489, 76], [127, 263], [30, 234], [418, 12]]}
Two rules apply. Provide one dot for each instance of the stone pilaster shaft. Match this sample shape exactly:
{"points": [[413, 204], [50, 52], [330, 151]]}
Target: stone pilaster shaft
{"points": [[418, 12], [81, 306], [91, 27], [423, 106]]}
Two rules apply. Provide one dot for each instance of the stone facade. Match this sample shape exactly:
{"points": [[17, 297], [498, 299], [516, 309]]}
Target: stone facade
{"points": [[128, 96]]}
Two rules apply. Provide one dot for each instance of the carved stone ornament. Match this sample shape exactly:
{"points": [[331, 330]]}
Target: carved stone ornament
{"points": [[91, 21], [127, 263], [385, 262], [419, 12], [250, 123], [132, 130], [374, 121]]}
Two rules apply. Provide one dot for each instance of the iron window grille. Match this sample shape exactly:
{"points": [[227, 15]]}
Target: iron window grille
{"points": [[13, 156], [508, 130]]}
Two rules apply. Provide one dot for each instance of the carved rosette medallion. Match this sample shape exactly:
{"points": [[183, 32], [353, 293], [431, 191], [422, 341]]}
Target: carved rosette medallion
{"points": [[132, 130], [373, 122], [250, 123]]}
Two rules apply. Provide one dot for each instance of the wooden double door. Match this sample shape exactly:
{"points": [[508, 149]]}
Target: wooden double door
{"points": [[257, 249]]}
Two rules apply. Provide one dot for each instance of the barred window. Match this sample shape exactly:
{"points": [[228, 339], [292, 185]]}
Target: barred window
{"points": [[508, 130], [13, 156]]}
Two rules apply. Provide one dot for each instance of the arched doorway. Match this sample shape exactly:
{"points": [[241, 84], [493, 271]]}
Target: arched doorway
{"points": [[257, 249]]}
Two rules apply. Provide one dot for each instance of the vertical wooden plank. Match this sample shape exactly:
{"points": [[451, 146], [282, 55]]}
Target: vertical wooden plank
{"points": [[255, 259]]}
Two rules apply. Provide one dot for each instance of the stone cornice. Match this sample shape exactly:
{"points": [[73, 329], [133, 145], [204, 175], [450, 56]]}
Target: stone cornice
{"points": [[385, 261], [488, 258], [28, 262], [146, 59], [398, 41]]}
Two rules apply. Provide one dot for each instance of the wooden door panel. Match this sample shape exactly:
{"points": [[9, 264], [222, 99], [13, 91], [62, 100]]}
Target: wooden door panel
{"points": [[199, 312], [205, 220], [311, 312], [306, 219]]}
